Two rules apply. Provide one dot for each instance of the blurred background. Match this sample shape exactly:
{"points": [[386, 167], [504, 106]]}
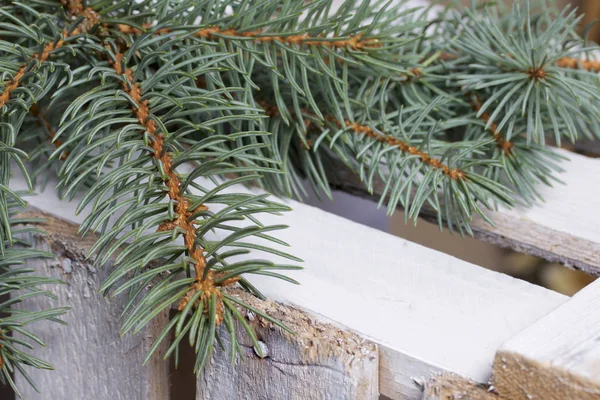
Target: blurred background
{"points": [[591, 9], [529, 268]]}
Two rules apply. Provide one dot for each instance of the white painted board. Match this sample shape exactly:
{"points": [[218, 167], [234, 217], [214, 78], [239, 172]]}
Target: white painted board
{"points": [[429, 311], [558, 357]]}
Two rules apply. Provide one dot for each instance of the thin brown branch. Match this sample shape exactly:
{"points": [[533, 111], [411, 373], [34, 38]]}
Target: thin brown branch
{"points": [[575, 63], [75, 9], [365, 130], [354, 42], [455, 174], [12, 85], [207, 284], [273, 111], [564, 62], [43, 122], [18, 77], [505, 145]]}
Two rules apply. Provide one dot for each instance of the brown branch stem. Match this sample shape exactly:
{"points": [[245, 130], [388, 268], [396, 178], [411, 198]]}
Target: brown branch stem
{"points": [[40, 57], [576, 63], [564, 62], [75, 8], [366, 130], [452, 173], [42, 121], [505, 145], [207, 284], [354, 42]]}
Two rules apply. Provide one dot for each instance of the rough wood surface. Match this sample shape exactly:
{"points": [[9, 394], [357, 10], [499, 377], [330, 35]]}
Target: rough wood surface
{"points": [[455, 387], [91, 359], [427, 312], [589, 148], [563, 229], [556, 358], [318, 362]]}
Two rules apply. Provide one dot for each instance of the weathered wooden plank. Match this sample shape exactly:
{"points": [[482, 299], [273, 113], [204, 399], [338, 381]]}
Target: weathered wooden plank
{"points": [[427, 312], [455, 387], [563, 229], [556, 358], [320, 361], [91, 359], [589, 148]]}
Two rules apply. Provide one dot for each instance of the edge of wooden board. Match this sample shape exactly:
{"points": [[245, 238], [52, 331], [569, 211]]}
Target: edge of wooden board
{"points": [[453, 387], [563, 229], [558, 356], [88, 352]]}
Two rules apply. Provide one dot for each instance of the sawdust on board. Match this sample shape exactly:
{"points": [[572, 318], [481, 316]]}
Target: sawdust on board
{"points": [[450, 386], [318, 340]]}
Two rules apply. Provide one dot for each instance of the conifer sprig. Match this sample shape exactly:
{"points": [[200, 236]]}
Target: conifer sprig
{"points": [[133, 193], [17, 284], [519, 63]]}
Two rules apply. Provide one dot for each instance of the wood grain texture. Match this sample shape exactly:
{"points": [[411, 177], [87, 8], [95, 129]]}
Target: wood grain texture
{"points": [[427, 312], [91, 359], [455, 387], [556, 358], [563, 229], [318, 362]]}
